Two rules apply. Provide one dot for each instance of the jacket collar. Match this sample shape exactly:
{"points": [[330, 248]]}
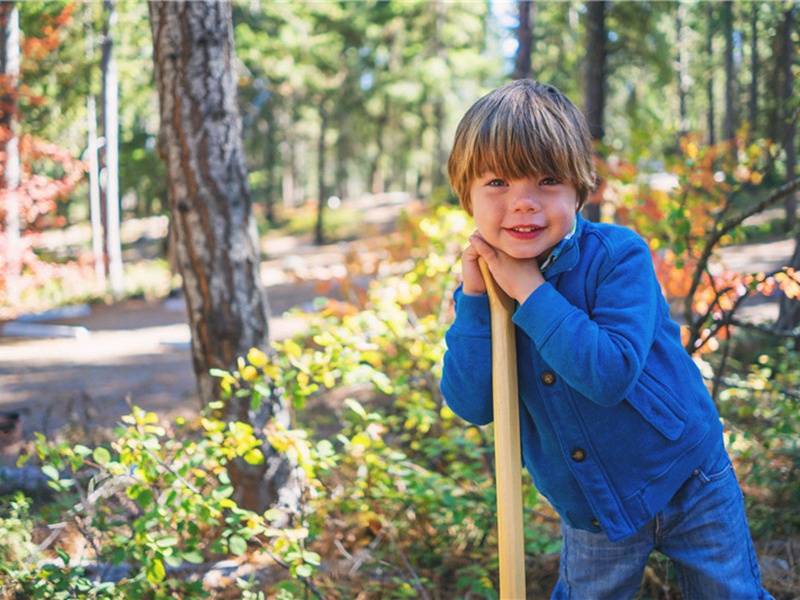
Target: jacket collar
{"points": [[570, 253]]}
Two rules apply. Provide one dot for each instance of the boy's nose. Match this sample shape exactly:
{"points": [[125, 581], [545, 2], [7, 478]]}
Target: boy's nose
{"points": [[525, 201]]}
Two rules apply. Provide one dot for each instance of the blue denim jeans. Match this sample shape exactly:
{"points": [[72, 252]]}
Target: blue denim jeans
{"points": [[703, 530]]}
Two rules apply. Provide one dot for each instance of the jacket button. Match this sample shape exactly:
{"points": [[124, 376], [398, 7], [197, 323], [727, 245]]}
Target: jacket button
{"points": [[578, 455], [595, 522], [548, 378]]}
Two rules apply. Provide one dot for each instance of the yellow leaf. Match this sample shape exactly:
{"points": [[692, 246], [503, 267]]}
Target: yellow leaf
{"points": [[257, 358], [328, 379], [249, 373]]}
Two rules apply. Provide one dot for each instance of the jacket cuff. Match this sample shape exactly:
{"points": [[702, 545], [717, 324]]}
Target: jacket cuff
{"points": [[541, 313], [472, 314]]}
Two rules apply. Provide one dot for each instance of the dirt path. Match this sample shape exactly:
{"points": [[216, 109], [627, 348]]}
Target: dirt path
{"points": [[138, 351]]}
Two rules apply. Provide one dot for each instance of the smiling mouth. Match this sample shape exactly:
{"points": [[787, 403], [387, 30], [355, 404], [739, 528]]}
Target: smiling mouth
{"points": [[525, 229]]}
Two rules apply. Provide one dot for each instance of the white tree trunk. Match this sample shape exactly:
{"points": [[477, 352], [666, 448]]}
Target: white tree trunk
{"points": [[111, 132], [11, 169]]}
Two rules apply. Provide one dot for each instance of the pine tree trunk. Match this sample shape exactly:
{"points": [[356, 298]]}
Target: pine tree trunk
{"points": [[595, 81], [790, 122], [729, 120], [523, 68], [753, 99], [213, 227], [682, 68], [712, 134]]}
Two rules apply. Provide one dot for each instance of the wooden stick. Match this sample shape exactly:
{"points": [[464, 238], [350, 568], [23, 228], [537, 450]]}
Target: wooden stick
{"points": [[508, 464]]}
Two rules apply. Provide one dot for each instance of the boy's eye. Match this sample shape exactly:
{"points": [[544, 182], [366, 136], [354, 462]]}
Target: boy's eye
{"points": [[549, 181], [495, 183]]}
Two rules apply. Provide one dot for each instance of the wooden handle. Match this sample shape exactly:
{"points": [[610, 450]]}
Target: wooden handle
{"points": [[508, 464]]}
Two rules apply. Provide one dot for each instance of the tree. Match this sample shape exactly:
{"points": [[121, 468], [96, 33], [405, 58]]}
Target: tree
{"points": [[595, 82], [9, 146], [110, 191], [729, 120], [213, 227], [523, 68], [789, 314]]}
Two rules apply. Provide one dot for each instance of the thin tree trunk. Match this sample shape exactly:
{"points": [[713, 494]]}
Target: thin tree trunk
{"points": [[9, 145], [682, 69], [789, 311], [213, 226], [790, 122], [595, 81], [729, 121], [595, 77], [712, 134], [95, 212], [523, 68], [753, 99], [113, 244], [789, 308], [319, 234]]}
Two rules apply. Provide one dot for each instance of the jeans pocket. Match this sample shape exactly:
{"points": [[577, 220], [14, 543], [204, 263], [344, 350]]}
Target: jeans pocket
{"points": [[715, 468]]}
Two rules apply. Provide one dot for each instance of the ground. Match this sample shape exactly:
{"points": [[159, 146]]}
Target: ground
{"points": [[138, 351]]}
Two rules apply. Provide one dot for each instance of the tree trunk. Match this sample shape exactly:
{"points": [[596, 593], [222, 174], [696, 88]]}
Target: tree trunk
{"points": [[523, 68], [712, 134], [729, 121], [595, 81], [95, 212], [790, 122], [9, 145], [753, 99], [682, 68], [113, 244], [319, 234], [789, 314], [213, 226]]}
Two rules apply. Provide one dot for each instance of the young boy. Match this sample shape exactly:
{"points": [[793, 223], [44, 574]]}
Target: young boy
{"points": [[617, 427]]}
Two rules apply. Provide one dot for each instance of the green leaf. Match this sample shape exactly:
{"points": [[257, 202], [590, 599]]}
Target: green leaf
{"points": [[304, 571], [101, 456], [193, 556], [238, 545], [51, 472]]}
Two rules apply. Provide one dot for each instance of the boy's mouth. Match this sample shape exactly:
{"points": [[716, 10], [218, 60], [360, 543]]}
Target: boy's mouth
{"points": [[529, 229]]}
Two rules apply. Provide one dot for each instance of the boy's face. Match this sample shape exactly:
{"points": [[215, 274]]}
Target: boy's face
{"points": [[525, 218]]}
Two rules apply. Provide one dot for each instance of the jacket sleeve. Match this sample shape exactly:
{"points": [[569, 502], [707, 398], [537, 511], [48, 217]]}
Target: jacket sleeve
{"points": [[467, 372], [600, 354]]}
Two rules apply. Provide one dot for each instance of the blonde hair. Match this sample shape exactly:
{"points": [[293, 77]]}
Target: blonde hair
{"points": [[519, 130]]}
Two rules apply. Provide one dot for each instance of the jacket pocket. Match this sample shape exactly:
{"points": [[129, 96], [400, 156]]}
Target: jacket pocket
{"points": [[658, 406]]}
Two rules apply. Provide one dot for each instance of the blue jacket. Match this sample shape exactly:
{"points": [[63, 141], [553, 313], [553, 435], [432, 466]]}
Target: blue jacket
{"points": [[614, 414]]}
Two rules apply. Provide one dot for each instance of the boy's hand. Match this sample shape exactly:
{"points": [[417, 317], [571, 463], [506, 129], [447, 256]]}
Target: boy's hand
{"points": [[517, 277]]}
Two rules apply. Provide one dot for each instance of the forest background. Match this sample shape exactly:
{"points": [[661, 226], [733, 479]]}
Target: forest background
{"points": [[327, 464]]}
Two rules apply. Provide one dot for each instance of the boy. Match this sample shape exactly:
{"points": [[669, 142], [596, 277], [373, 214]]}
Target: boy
{"points": [[617, 427]]}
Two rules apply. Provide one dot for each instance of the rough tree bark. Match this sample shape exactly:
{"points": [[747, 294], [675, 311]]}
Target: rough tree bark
{"points": [[213, 227]]}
